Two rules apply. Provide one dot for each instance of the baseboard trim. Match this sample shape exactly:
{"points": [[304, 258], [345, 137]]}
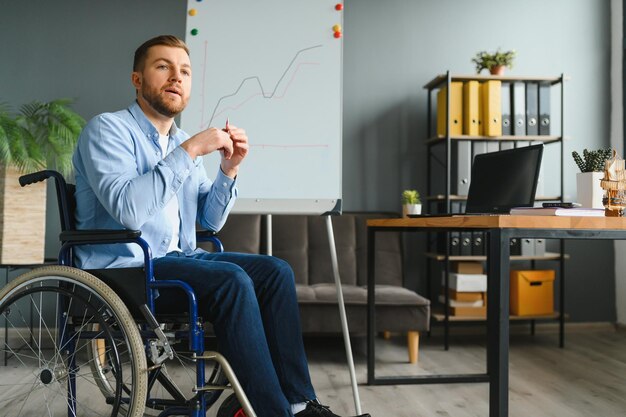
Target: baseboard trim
{"points": [[541, 327]]}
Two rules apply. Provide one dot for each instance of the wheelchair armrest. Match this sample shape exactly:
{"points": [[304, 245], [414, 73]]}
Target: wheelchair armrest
{"points": [[99, 235], [203, 235], [210, 236]]}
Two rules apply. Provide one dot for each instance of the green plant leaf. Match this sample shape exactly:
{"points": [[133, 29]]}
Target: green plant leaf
{"points": [[41, 135], [410, 197], [592, 160], [486, 60], [6, 125]]}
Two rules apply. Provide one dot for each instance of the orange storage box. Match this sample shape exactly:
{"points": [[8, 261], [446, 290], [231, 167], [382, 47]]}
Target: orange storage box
{"points": [[532, 292]]}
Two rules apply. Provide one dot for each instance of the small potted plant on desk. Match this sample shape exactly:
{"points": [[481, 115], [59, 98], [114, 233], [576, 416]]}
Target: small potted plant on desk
{"points": [[494, 62], [411, 203], [591, 164], [39, 136]]}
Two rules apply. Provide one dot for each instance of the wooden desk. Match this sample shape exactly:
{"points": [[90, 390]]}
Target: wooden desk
{"points": [[499, 230]]}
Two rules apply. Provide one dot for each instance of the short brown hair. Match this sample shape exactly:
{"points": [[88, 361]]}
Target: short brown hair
{"points": [[142, 51]]}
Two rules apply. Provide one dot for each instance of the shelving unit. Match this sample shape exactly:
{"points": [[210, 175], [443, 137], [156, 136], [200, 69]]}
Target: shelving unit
{"points": [[440, 317], [443, 198], [549, 256]]}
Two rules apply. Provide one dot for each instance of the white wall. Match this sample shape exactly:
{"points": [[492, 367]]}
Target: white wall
{"points": [[617, 142], [393, 47]]}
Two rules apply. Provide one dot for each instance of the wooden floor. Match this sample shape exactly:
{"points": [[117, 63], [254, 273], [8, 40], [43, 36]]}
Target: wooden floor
{"points": [[586, 378]]}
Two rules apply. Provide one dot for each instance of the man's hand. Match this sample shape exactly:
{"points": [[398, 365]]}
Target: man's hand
{"points": [[208, 141], [230, 166]]}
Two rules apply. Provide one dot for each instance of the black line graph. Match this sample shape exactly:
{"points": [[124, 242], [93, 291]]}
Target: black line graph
{"points": [[266, 94]]}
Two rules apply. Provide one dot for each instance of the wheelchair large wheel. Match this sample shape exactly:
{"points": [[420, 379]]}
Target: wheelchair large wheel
{"points": [[53, 316]]}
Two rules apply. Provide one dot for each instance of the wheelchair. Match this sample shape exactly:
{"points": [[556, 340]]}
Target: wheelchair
{"points": [[90, 343]]}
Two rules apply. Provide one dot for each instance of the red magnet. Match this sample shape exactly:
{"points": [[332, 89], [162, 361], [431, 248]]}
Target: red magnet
{"points": [[339, 7], [337, 35]]}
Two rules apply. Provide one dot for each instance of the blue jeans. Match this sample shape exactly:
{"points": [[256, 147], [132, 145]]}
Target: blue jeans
{"points": [[251, 302]]}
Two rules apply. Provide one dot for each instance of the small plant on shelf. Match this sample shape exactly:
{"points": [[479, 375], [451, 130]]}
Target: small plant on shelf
{"points": [[411, 203], [410, 197], [592, 161], [494, 62]]}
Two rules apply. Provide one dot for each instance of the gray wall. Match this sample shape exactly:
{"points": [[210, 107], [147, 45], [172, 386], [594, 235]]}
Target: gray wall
{"points": [[393, 48], [79, 49]]}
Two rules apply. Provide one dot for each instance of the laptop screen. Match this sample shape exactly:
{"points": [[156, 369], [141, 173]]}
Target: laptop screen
{"points": [[503, 180]]}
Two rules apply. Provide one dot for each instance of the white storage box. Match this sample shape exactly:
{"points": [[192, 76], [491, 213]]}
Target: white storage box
{"points": [[466, 282]]}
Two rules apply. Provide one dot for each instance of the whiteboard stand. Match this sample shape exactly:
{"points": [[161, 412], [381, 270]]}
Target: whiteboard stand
{"points": [[342, 307], [268, 233], [342, 314]]}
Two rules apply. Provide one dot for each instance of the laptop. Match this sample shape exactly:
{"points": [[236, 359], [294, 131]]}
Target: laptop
{"points": [[502, 180]]}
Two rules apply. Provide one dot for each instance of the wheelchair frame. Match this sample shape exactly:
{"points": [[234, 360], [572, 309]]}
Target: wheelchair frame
{"points": [[156, 342]]}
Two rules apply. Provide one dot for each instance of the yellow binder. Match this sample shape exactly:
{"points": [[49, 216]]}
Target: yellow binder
{"points": [[492, 108], [471, 108], [456, 109]]}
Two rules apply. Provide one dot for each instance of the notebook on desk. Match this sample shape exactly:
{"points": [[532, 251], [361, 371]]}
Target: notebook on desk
{"points": [[500, 181]]}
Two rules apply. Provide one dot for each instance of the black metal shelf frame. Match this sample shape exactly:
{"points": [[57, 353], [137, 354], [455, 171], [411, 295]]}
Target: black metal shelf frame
{"points": [[435, 141]]}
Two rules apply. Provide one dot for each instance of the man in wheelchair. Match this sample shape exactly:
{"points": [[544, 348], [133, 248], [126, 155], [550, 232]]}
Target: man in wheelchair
{"points": [[135, 169]]}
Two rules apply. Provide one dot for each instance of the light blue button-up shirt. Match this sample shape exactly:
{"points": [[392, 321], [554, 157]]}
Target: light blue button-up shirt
{"points": [[124, 182]]}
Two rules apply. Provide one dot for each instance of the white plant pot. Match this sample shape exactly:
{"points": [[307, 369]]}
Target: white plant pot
{"points": [[588, 190], [411, 209]]}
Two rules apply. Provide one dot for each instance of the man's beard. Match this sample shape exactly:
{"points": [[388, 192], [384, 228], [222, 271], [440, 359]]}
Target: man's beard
{"points": [[161, 105]]}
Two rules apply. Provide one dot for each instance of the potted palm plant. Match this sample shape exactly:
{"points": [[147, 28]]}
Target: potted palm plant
{"points": [[38, 136], [411, 203]]}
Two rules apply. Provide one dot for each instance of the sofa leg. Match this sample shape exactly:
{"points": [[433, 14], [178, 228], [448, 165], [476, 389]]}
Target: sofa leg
{"points": [[413, 339]]}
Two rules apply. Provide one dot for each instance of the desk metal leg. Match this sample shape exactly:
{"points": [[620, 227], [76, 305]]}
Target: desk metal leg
{"points": [[562, 294], [371, 332], [498, 323]]}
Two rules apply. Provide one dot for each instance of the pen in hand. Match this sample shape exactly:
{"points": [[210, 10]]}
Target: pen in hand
{"points": [[227, 130]]}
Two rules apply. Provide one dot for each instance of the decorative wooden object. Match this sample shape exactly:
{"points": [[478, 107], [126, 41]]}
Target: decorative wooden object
{"points": [[22, 220], [614, 185]]}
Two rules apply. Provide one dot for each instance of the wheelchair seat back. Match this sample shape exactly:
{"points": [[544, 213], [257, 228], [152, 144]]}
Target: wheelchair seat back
{"points": [[128, 283]]}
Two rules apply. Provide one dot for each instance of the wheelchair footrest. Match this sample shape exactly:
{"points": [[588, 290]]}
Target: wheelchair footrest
{"points": [[232, 378], [212, 388]]}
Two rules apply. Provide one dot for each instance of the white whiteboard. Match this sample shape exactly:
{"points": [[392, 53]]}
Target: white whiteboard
{"points": [[274, 68]]}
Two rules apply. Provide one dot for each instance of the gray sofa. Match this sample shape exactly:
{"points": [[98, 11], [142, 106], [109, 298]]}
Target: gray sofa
{"points": [[302, 241]]}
